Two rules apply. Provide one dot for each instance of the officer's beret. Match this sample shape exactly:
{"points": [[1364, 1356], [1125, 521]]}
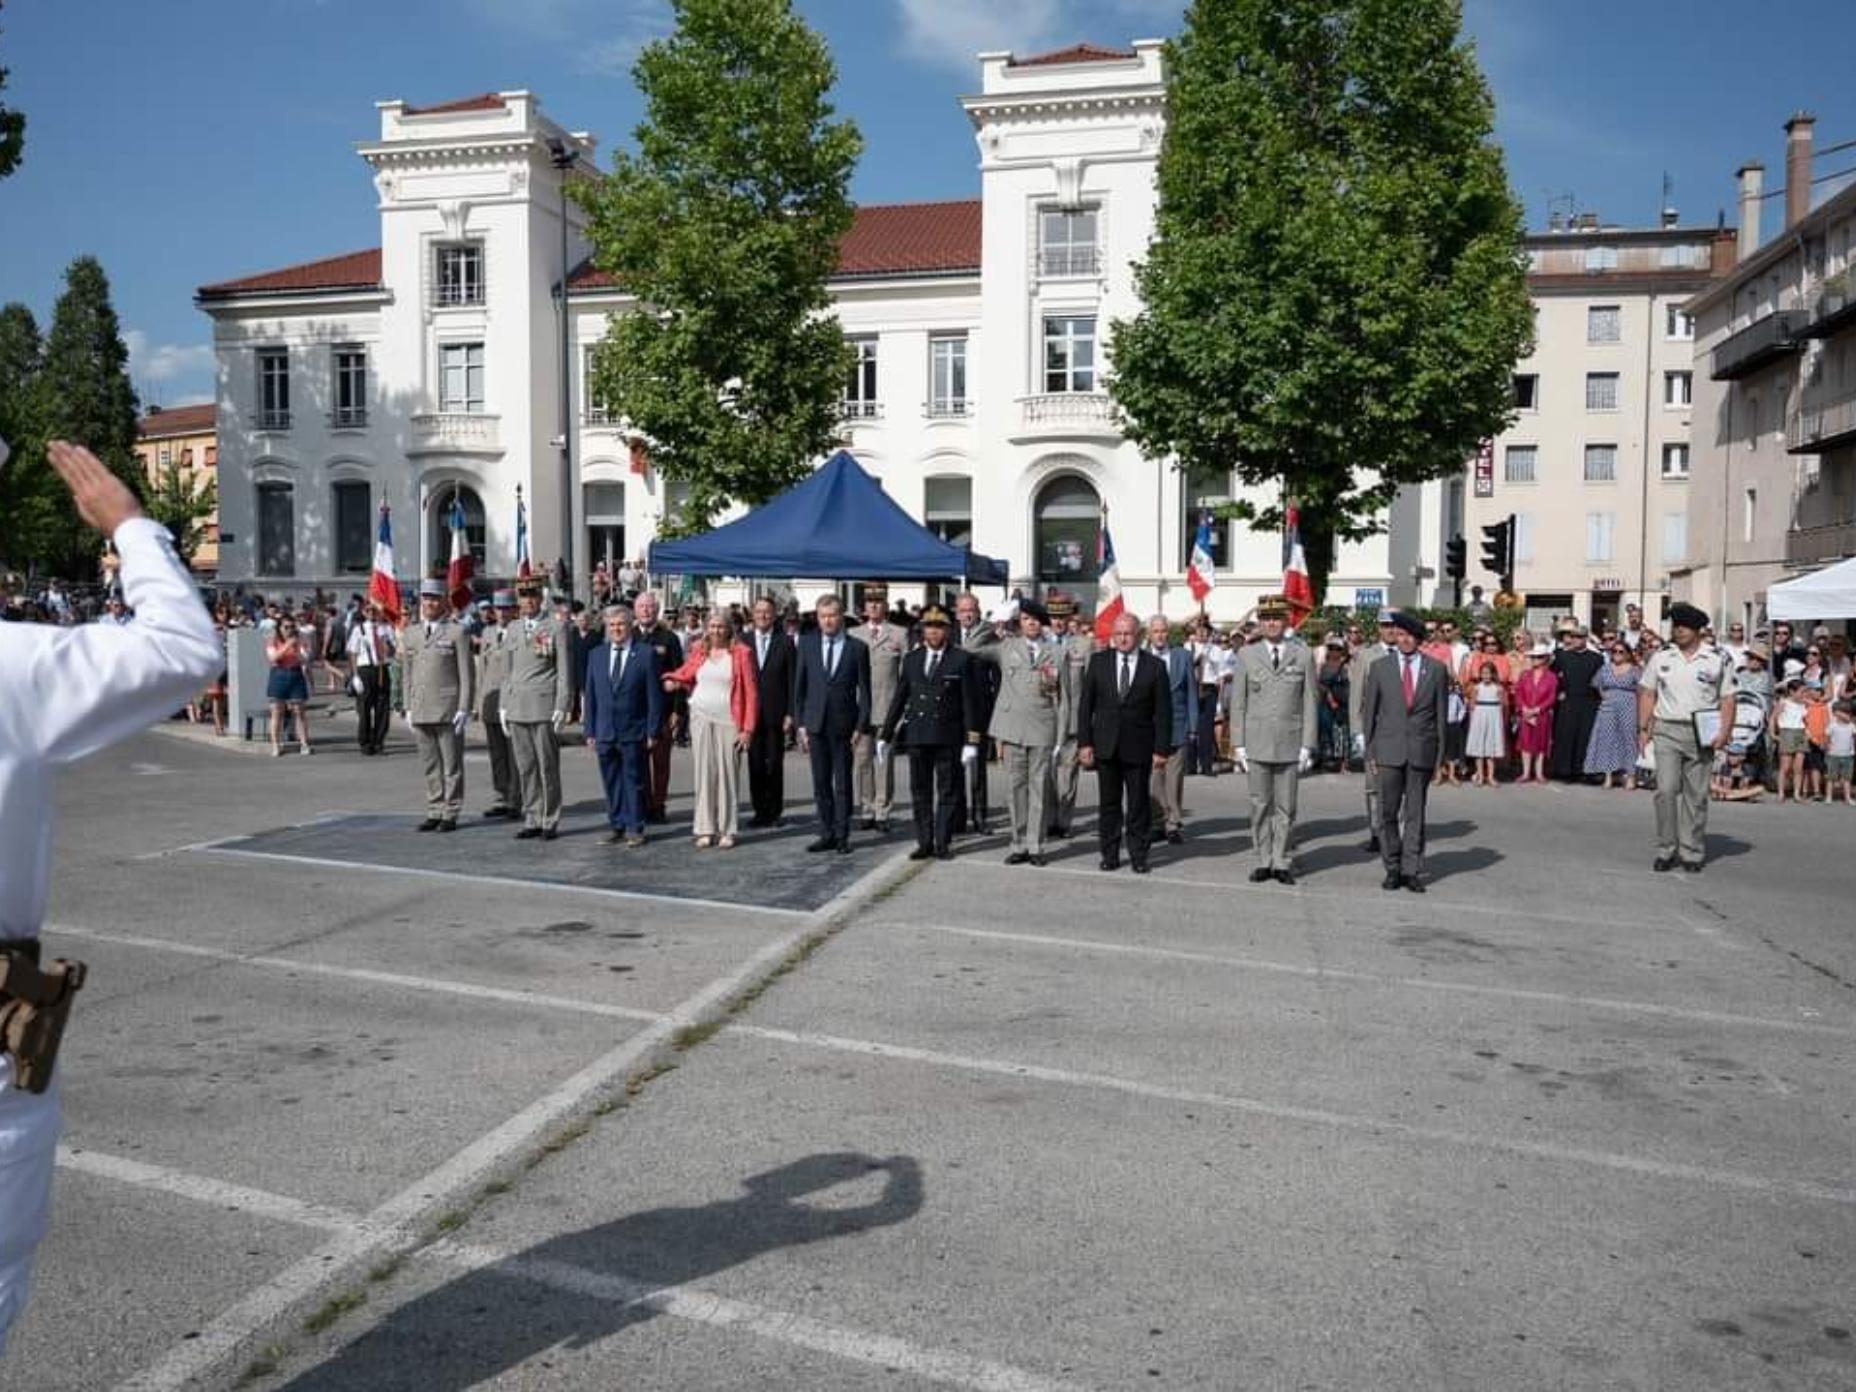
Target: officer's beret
{"points": [[1408, 623], [934, 616], [1687, 616], [1030, 608], [431, 589]]}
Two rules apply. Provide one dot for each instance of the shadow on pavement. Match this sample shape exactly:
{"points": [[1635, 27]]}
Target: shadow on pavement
{"points": [[578, 1288]]}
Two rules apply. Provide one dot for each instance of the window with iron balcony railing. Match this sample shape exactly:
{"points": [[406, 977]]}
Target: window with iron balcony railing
{"points": [[271, 419], [348, 417], [949, 408], [1070, 261], [852, 410]]}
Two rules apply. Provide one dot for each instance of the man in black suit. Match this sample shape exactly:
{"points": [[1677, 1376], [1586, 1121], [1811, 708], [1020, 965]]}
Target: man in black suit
{"points": [[1124, 731], [773, 673], [831, 705], [936, 706], [973, 632], [1403, 712]]}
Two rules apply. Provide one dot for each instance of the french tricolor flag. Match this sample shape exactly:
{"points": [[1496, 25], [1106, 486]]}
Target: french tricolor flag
{"points": [[382, 586], [1296, 586], [1201, 570], [1108, 587], [458, 573]]}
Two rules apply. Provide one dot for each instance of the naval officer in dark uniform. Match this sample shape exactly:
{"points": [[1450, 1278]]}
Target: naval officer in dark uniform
{"points": [[936, 708]]}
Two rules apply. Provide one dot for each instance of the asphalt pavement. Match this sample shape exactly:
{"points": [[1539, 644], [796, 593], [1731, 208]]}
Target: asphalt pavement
{"points": [[346, 1113]]}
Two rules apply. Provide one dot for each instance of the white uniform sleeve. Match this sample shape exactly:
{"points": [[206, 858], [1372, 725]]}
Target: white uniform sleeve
{"points": [[68, 692]]}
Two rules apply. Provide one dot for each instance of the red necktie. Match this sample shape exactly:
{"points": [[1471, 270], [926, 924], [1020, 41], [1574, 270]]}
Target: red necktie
{"points": [[1405, 666]]}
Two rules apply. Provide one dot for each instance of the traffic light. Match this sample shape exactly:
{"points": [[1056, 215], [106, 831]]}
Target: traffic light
{"points": [[1456, 558], [1498, 549]]}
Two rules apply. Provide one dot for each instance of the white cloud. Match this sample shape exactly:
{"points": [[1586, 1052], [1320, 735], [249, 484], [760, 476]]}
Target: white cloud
{"points": [[163, 362], [952, 31], [596, 36]]}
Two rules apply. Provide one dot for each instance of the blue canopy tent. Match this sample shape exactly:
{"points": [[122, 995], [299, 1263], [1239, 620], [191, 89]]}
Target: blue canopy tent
{"points": [[838, 524]]}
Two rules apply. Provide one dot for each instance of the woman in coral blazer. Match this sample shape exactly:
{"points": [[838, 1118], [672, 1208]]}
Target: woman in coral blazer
{"points": [[718, 673]]}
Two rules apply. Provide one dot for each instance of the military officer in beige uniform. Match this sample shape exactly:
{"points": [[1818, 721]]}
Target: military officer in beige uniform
{"points": [[1034, 707], [538, 691], [1273, 728], [1076, 641], [1684, 680], [1357, 667], [492, 669], [438, 686], [875, 779]]}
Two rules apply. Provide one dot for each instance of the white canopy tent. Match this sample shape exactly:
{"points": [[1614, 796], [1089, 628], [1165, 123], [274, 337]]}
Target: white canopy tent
{"points": [[1829, 593]]}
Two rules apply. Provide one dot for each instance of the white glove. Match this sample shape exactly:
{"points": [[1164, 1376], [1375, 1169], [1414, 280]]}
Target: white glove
{"points": [[558, 719], [1057, 750], [1359, 745], [503, 720], [882, 751], [459, 721], [1241, 758], [409, 725], [1306, 761], [355, 686], [1003, 612], [969, 754]]}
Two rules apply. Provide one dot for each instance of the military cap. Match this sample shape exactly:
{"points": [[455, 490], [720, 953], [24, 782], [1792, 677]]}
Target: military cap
{"points": [[1408, 623], [876, 589], [1059, 605], [503, 599], [934, 616], [431, 589], [1030, 608], [1273, 606], [1687, 616], [530, 587]]}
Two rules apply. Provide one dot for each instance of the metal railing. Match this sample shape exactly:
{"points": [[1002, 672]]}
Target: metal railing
{"points": [[1817, 425], [348, 417], [271, 420], [860, 410], [1069, 261], [1763, 341], [1809, 545], [948, 409]]}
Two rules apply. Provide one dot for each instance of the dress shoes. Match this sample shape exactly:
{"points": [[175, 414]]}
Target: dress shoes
{"points": [[613, 838], [446, 826], [1414, 884], [1285, 877], [1663, 864], [1055, 833], [497, 813], [1018, 857], [844, 847], [1176, 837], [528, 833], [429, 824], [922, 853], [1038, 861], [1372, 845], [1261, 874], [1693, 867], [824, 843], [549, 833], [1393, 880], [869, 824], [882, 826], [1111, 862], [1139, 867], [943, 852]]}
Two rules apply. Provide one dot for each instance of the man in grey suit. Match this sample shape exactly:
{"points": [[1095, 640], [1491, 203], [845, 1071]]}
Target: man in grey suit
{"points": [[1403, 713], [875, 778], [1182, 685], [1273, 698], [1029, 718], [437, 684], [1076, 640], [1358, 666], [492, 667], [538, 691]]}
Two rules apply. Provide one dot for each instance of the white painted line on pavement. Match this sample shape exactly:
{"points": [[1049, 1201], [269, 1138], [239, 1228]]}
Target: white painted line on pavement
{"points": [[379, 978], [1314, 1116], [348, 866], [687, 1303], [1417, 983], [399, 1224], [800, 1331]]}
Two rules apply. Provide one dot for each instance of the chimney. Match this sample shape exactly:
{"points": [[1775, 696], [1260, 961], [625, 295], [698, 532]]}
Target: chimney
{"points": [[1556, 221], [1798, 167], [1670, 217], [1752, 177]]}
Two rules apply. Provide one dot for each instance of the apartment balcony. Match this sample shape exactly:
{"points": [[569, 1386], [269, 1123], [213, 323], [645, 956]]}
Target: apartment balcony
{"points": [[860, 413], [1762, 342], [1068, 416], [1056, 262], [270, 421], [1821, 425], [1833, 311], [1811, 546], [456, 432], [951, 408], [348, 418]]}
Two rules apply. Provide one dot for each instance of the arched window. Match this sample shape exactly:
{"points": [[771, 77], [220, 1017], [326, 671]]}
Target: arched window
{"points": [[442, 500], [1068, 524]]}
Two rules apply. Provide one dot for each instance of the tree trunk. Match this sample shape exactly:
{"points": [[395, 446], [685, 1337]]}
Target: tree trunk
{"points": [[1318, 551]]}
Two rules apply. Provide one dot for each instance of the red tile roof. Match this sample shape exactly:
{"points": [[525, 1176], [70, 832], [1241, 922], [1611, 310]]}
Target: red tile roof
{"points": [[177, 420], [1076, 53], [355, 270], [487, 101], [886, 239]]}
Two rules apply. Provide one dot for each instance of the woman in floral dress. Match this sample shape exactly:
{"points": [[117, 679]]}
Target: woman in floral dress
{"points": [[1613, 748]]}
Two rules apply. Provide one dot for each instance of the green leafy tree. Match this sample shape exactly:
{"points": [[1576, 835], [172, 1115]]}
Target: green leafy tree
{"points": [[12, 132], [84, 394], [725, 223], [22, 356], [177, 501], [1335, 297]]}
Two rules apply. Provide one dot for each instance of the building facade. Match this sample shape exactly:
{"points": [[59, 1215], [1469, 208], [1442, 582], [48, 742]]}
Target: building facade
{"points": [[1595, 468], [1774, 477], [427, 370], [184, 438]]}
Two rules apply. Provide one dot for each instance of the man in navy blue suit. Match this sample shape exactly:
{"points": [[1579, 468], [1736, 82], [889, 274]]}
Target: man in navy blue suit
{"points": [[831, 707], [623, 710]]}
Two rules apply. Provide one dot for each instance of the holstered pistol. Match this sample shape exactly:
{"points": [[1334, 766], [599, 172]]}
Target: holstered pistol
{"points": [[35, 1002]]}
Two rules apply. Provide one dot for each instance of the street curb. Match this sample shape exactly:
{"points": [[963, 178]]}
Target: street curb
{"points": [[334, 1277]]}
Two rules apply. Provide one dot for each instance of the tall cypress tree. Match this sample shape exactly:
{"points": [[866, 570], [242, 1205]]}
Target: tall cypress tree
{"points": [[725, 224], [1335, 298], [22, 356]]}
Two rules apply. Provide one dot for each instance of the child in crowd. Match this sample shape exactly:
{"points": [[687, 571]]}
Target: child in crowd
{"points": [[1840, 752], [1789, 737]]}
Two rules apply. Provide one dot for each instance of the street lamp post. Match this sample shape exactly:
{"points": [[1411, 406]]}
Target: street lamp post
{"points": [[562, 156]]}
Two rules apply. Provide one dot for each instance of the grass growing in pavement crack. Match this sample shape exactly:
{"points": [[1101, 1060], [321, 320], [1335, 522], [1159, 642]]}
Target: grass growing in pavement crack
{"points": [[263, 1365], [333, 1309], [386, 1270]]}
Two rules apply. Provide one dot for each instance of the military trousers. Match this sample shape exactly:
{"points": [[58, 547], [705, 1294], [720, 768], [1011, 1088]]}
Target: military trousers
{"points": [[1065, 774], [1027, 770], [875, 781], [1372, 805], [537, 756], [1682, 769], [441, 759], [1273, 789], [503, 778], [1169, 790], [934, 781]]}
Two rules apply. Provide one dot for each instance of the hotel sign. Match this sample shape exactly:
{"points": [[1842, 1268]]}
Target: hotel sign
{"points": [[1485, 470]]}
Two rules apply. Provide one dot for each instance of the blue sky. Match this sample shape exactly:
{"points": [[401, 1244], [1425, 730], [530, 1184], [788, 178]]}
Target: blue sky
{"points": [[188, 142]]}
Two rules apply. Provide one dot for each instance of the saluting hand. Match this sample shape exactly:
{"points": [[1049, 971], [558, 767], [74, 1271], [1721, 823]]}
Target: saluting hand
{"points": [[104, 501]]}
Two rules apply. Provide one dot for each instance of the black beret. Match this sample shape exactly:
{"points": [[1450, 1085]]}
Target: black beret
{"points": [[1032, 609], [1687, 616], [1409, 623]]}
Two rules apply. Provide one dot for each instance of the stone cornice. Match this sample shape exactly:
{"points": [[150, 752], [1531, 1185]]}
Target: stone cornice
{"points": [[1044, 105]]}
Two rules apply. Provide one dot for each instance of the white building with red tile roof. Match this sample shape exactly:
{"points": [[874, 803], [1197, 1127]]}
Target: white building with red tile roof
{"points": [[428, 369]]}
